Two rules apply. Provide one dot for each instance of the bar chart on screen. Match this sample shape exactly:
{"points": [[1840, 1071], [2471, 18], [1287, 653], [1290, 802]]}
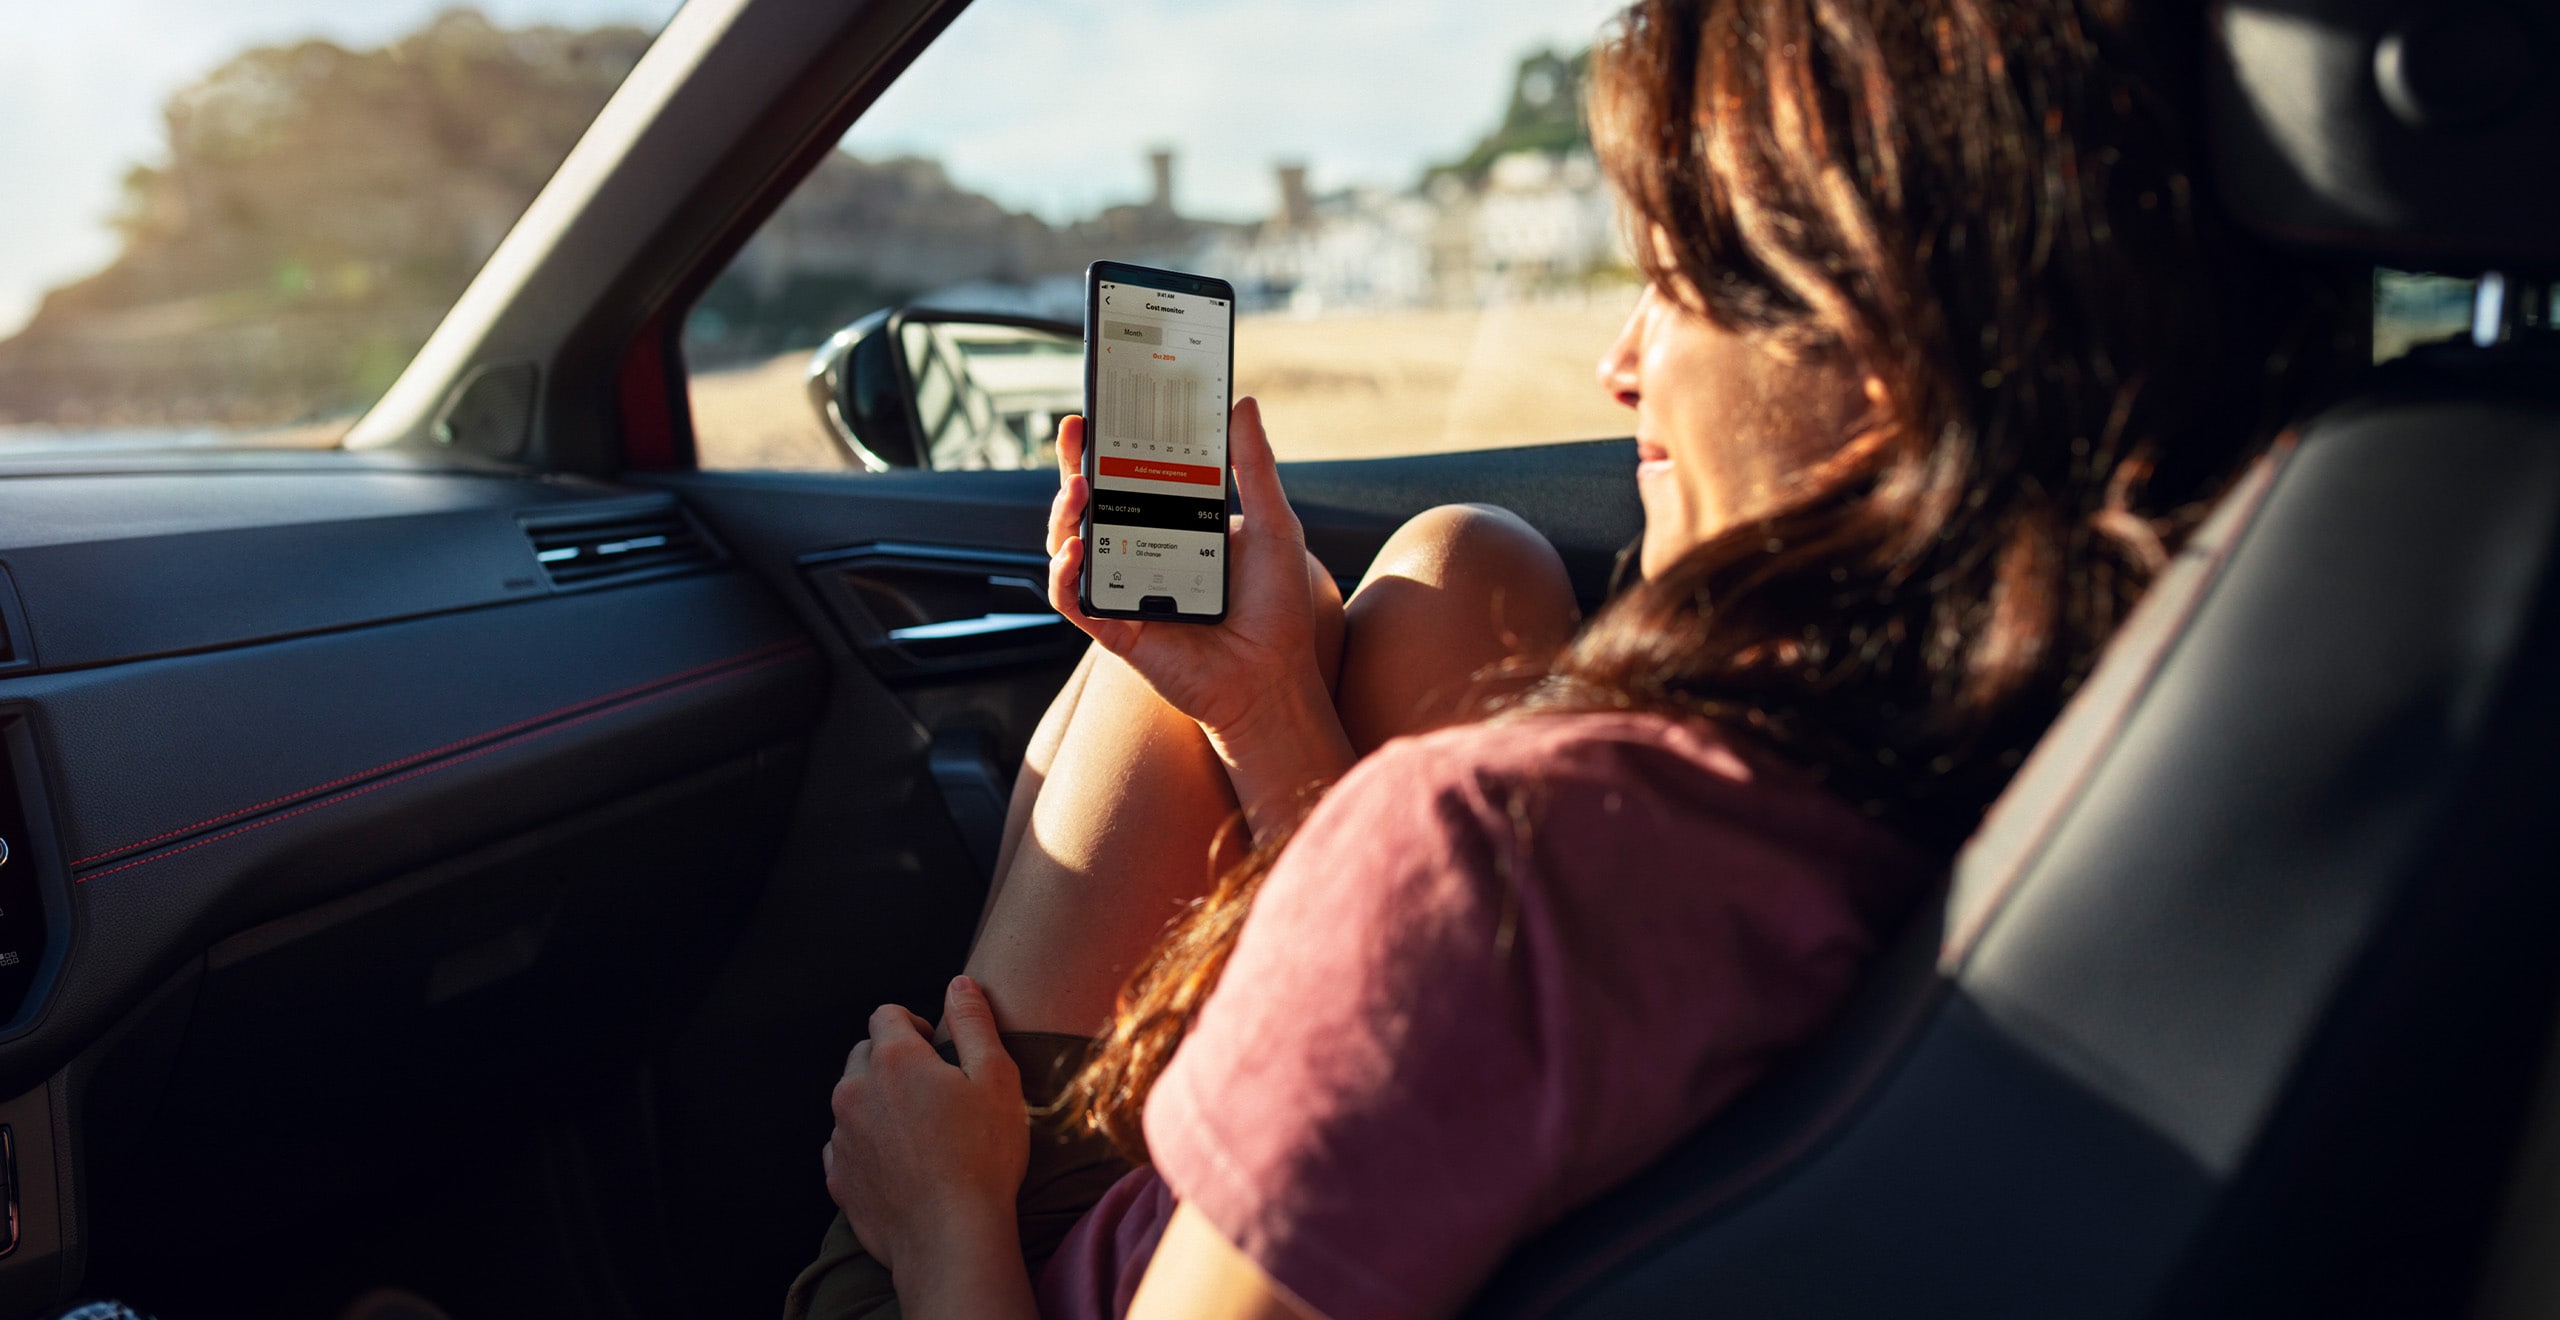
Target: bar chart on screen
{"points": [[1152, 412]]}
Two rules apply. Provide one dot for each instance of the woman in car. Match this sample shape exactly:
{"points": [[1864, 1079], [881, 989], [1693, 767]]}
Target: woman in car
{"points": [[1941, 353]]}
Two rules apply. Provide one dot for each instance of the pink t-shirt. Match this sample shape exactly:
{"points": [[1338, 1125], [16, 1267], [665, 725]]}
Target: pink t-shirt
{"points": [[1503, 967]]}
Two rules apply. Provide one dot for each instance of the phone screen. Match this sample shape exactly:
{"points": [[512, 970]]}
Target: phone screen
{"points": [[1156, 419]]}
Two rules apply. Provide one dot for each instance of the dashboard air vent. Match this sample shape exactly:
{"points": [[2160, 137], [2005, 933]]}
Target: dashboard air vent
{"points": [[593, 547]]}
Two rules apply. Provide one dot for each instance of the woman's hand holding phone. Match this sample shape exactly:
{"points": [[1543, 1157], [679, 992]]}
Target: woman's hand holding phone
{"points": [[1251, 681]]}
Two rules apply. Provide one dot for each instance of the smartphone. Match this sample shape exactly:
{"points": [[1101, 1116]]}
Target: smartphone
{"points": [[1159, 356]]}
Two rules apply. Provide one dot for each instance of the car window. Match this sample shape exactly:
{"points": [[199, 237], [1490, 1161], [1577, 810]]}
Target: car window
{"points": [[235, 224], [1404, 197], [2411, 309], [2428, 308]]}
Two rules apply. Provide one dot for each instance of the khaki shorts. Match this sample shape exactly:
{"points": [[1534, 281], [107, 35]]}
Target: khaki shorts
{"points": [[1068, 1173]]}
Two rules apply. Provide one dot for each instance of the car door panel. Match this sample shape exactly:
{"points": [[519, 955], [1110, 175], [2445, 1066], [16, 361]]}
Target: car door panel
{"points": [[1581, 495]]}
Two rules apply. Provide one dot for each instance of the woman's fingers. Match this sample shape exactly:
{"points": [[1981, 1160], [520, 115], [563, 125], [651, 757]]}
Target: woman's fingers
{"points": [[892, 1026], [973, 1030], [1257, 471], [1064, 563], [1066, 509], [1115, 635], [1070, 444], [1066, 512]]}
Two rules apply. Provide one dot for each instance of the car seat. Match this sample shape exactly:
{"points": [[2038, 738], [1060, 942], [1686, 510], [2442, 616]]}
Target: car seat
{"points": [[2238, 1001]]}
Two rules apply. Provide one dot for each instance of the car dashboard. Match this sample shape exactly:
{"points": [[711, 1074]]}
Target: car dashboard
{"points": [[333, 786]]}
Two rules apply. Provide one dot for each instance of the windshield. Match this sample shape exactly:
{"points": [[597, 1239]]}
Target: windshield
{"points": [[234, 224]]}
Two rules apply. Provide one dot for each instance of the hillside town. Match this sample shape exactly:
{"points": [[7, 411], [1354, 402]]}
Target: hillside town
{"points": [[1524, 215]]}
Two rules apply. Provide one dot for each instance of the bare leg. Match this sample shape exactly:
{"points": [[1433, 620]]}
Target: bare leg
{"points": [[1114, 818], [1116, 826], [1457, 590], [1036, 760]]}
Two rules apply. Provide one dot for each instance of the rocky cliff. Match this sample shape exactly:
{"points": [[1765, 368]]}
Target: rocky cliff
{"points": [[318, 210]]}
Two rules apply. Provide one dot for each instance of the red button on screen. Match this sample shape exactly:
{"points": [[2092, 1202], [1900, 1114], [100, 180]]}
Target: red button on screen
{"points": [[1150, 470]]}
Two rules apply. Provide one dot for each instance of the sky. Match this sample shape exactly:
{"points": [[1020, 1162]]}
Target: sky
{"points": [[1049, 105], [1046, 105]]}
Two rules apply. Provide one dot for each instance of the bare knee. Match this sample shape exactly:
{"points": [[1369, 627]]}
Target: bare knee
{"points": [[1457, 592], [1447, 537], [1471, 554]]}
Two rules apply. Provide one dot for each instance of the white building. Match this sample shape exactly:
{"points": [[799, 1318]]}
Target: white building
{"points": [[1542, 218], [1361, 249], [1537, 222]]}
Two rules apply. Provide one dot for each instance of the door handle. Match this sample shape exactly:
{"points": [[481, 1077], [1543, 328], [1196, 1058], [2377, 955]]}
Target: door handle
{"points": [[931, 610], [981, 626]]}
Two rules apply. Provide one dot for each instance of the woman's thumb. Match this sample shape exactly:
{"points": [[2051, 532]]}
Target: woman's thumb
{"points": [[972, 1021]]}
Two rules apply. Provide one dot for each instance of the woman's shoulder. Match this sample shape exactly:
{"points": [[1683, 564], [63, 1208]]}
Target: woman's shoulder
{"points": [[1577, 743], [1556, 758], [1594, 793]]}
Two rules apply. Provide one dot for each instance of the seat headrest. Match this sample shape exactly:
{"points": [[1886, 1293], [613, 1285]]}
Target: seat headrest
{"points": [[2417, 133]]}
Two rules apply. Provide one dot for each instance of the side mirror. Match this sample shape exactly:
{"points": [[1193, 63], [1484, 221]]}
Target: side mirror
{"points": [[914, 387]]}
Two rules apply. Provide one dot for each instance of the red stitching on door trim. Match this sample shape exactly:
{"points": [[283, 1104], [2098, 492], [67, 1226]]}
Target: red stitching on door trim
{"points": [[493, 739]]}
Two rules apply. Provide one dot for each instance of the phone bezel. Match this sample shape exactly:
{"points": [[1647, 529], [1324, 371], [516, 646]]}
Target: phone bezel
{"points": [[1172, 281]]}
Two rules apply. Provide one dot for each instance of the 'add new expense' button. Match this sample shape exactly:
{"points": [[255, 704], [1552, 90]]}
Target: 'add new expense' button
{"points": [[1150, 470]]}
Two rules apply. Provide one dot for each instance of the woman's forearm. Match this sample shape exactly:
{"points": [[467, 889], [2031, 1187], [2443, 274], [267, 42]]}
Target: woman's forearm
{"points": [[1290, 740], [969, 1274]]}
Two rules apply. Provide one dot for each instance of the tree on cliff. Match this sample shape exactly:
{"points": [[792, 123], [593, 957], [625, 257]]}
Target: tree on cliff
{"points": [[1545, 114]]}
